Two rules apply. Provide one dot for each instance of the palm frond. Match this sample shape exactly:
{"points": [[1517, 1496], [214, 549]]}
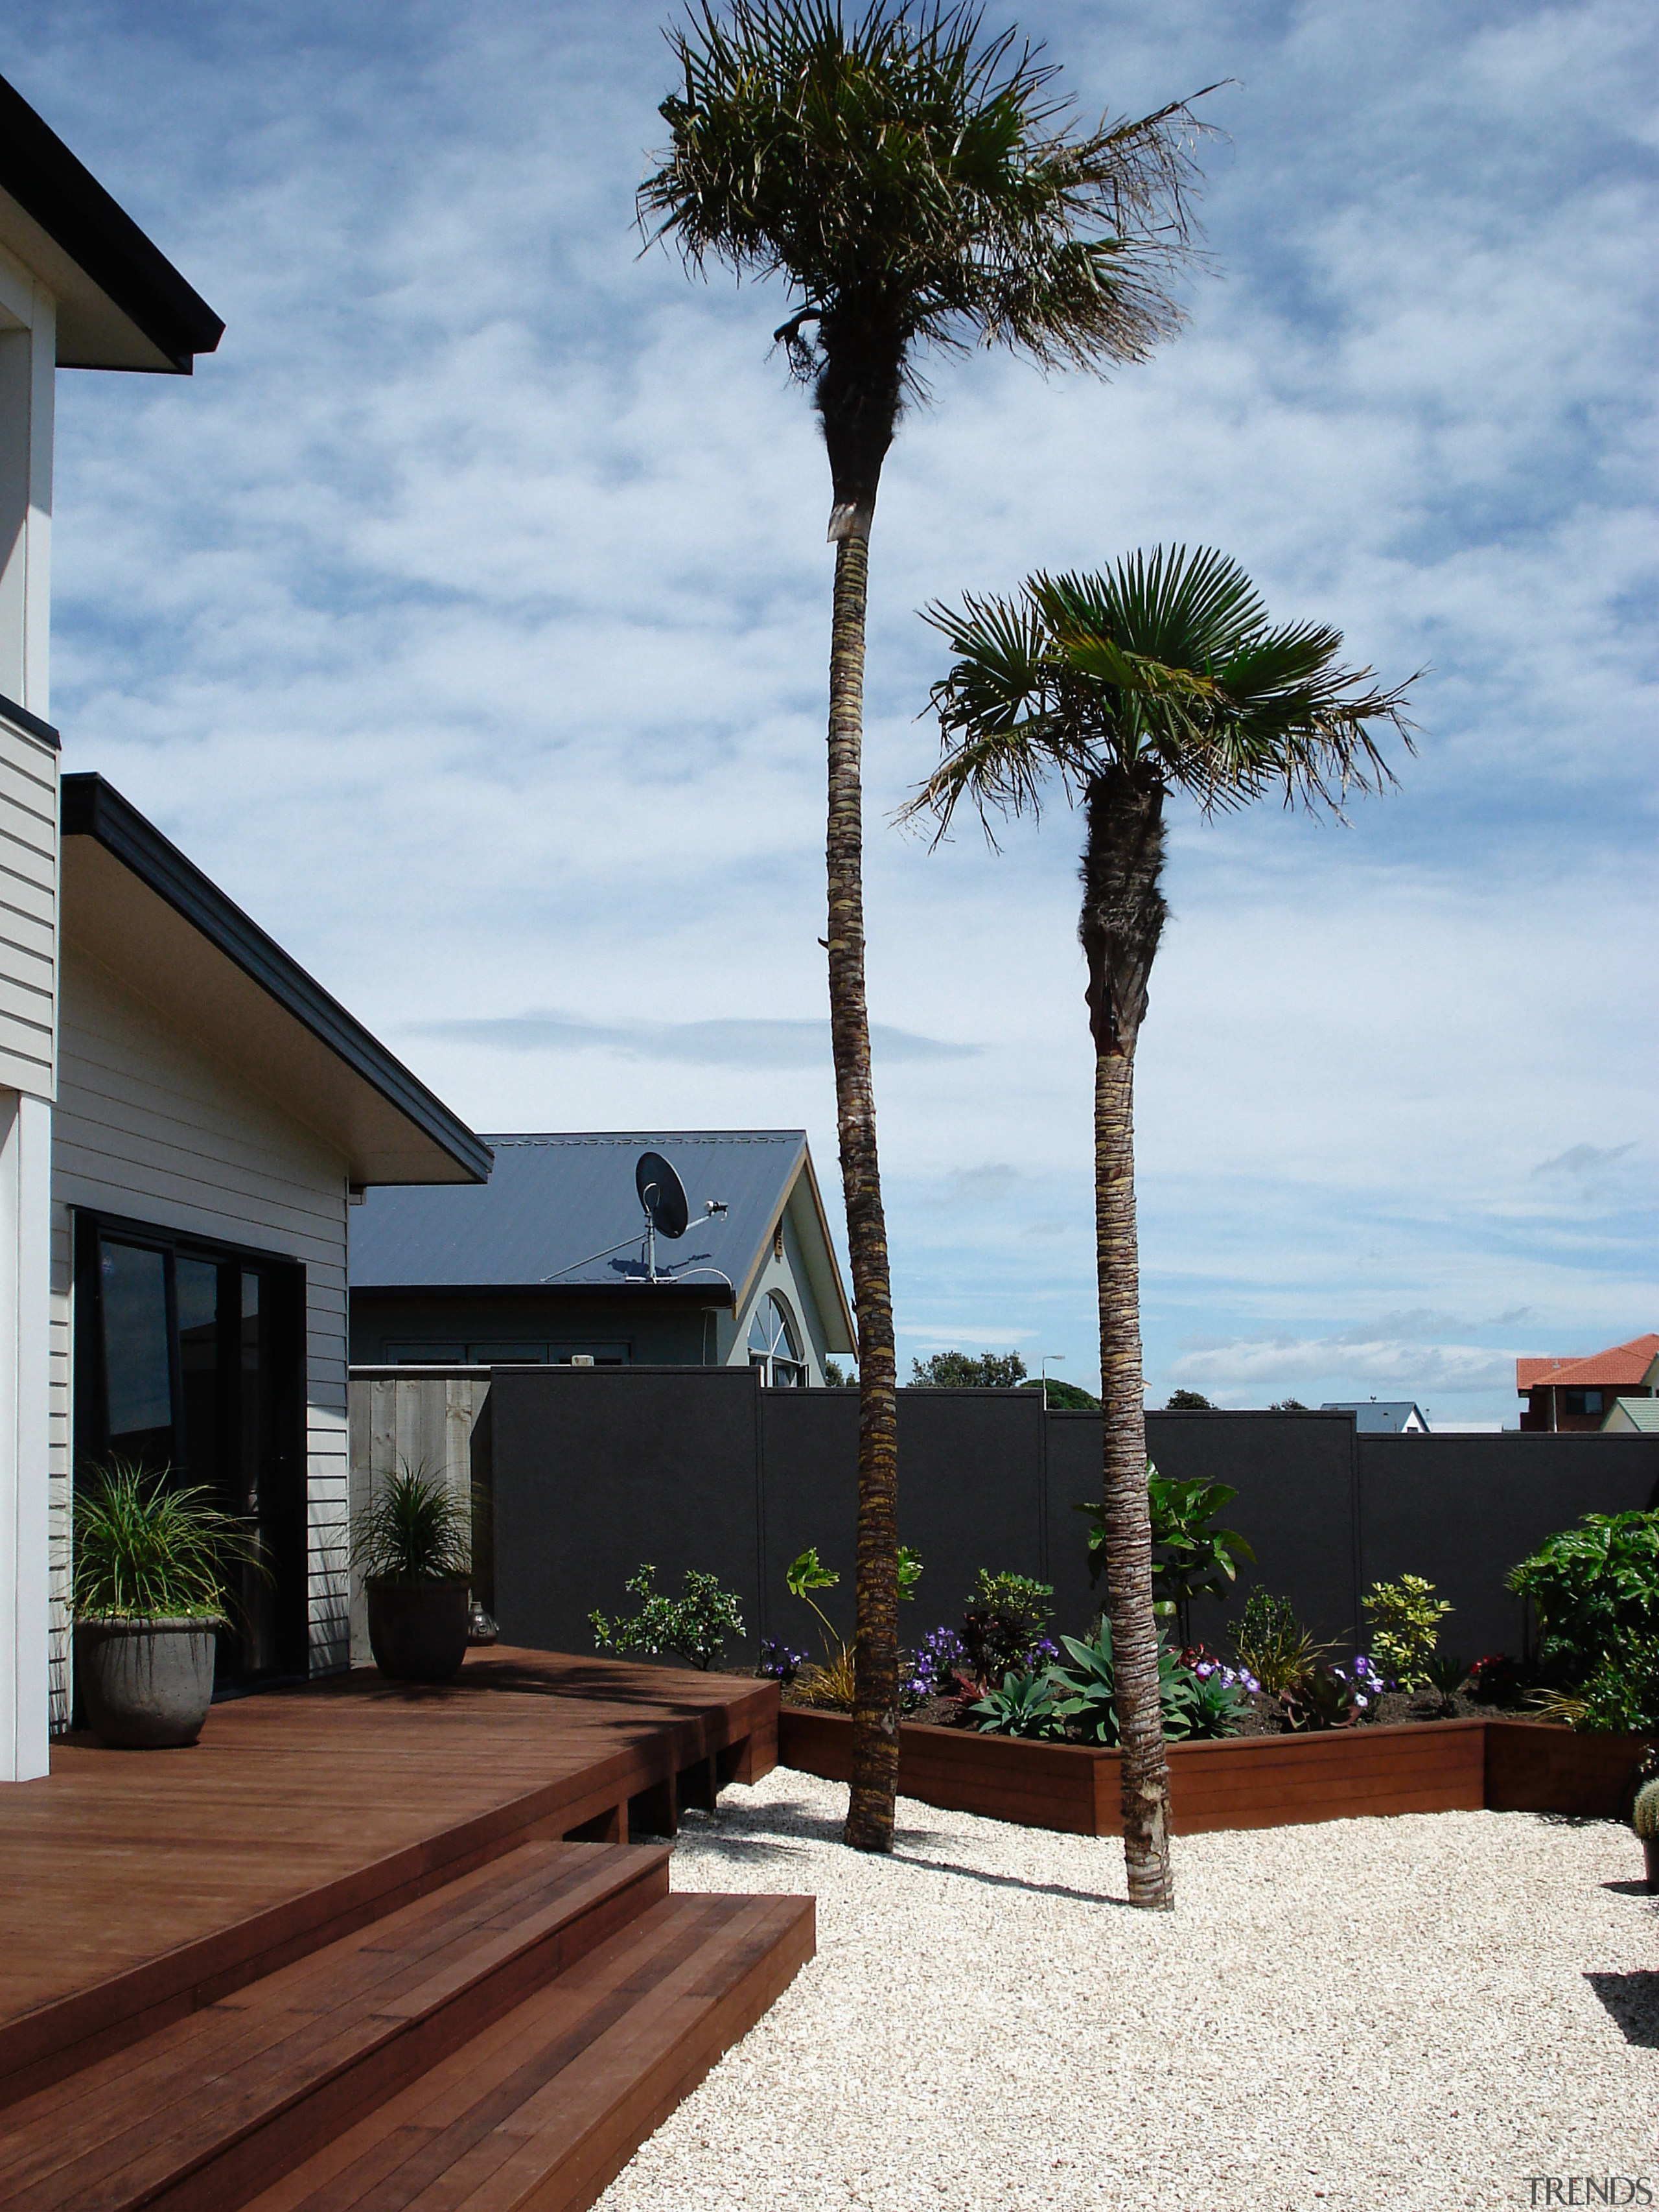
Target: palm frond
{"points": [[1165, 664], [919, 182]]}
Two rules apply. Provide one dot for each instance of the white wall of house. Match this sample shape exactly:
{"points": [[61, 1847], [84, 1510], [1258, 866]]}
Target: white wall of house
{"points": [[28, 932], [151, 1126]]}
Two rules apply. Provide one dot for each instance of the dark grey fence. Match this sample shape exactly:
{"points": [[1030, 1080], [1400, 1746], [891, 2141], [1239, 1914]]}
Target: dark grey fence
{"points": [[596, 1469]]}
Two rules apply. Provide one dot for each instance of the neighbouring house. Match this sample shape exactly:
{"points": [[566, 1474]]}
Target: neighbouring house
{"points": [[1384, 1417], [81, 287], [547, 1263], [217, 1111], [1578, 1392], [1628, 1417]]}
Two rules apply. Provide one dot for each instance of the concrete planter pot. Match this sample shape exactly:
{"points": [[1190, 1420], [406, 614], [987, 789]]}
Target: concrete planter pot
{"points": [[146, 1685], [417, 1631]]}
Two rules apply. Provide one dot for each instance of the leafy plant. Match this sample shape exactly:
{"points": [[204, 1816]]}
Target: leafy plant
{"points": [[1023, 1706], [1272, 1644], [1406, 1618], [1327, 1697], [1592, 1586], [961, 1371], [1622, 1696], [778, 1663], [1085, 1694], [414, 1529], [146, 1550], [1496, 1679], [831, 1683], [1446, 1675], [1190, 1557], [1002, 1626], [694, 1624]]}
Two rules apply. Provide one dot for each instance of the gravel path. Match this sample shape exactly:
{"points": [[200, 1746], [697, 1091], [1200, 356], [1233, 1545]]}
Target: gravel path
{"points": [[1362, 2015]]}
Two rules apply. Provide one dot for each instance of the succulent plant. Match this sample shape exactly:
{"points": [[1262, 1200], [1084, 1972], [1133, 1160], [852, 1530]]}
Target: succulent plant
{"points": [[1644, 1814]]}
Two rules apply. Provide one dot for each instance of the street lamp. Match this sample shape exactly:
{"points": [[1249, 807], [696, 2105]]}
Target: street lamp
{"points": [[1042, 1373]]}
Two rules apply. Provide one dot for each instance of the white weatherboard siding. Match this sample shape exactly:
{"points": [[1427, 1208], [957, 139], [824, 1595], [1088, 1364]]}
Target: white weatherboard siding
{"points": [[29, 908], [151, 1125]]}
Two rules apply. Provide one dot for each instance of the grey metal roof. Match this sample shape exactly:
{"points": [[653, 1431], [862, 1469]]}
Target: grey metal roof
{"points": [[553, 1201], [1373, 1417]]}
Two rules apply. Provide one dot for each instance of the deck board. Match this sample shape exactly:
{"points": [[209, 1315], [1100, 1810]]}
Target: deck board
{"points": [[140, 1885]]}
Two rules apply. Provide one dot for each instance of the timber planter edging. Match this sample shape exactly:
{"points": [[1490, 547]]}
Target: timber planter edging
{"points": [[1244, 1782]]}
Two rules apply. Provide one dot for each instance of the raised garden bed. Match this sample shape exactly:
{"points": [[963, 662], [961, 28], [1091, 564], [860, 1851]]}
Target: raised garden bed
{"points": [[1246, 1781]]}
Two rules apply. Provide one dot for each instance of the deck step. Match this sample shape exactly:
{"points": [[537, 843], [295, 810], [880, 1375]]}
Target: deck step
{"points": [[211, 2108], [540, 2111]]}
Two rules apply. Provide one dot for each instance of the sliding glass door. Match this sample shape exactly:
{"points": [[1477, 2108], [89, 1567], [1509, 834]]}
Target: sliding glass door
{"points": [[190, 1361]]}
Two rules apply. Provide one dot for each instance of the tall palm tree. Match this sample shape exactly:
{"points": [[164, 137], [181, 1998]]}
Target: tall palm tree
{"points": [[1160, 675], [916, 185]]}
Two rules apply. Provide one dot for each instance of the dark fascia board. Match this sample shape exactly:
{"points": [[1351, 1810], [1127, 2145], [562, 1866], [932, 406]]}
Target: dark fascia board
{"points": [[706, 1294], [70, 205], [31, 724], [93, 808]]}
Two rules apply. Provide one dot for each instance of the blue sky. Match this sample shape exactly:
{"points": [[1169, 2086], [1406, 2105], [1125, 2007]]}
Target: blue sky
{"points": [[467, 618]]}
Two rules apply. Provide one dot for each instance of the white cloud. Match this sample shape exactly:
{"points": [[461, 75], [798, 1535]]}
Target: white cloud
{"points": [[467, 618]]}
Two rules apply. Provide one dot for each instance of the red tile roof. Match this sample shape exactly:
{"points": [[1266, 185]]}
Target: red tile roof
{"points": [[1615, 1369]]}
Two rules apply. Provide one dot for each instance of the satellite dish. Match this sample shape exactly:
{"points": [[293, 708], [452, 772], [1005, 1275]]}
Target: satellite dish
{"points": [[662, 1194]]}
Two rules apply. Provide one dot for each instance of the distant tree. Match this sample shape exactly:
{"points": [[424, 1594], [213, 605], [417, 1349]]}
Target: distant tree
{"points": [[1188, 1401], [1064, 1397], [961, 1370], [1160, 675], [1287, 1406], [919, 186], [838, 1377]]}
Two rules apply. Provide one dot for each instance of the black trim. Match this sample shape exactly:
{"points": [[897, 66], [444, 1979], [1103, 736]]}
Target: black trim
{"points": [[702, 1292], [31, 724], [93, 808], [70, 205]]}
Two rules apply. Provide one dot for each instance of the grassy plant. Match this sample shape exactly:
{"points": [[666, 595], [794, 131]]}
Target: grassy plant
{"points": [[145, 1551], [414, 1529], [830, 1685], [1272, 1644], [694, 1624], [1406, 1618], [1446, 1673]]}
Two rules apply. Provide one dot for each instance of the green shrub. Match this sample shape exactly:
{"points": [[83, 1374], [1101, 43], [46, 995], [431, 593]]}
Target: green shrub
{"points": [[1406, 1618], [414, 1529], [1622, 1698], [1592, 1586], [696, 1624], [143, 1551], [1272, 1642], [1190, 1557], [1002, 1626], [1023, 1706]]}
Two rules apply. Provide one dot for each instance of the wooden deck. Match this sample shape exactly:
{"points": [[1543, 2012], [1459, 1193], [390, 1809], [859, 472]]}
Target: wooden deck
{"points": [[249, 1913]]}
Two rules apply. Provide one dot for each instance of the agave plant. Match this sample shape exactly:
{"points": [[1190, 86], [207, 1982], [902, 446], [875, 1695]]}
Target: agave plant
{"points": [[145, 1549], [414, 1529]]}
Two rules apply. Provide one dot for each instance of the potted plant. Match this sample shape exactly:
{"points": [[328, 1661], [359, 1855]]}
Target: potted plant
{"points": [[147, 1594], [1645, 1818], [413, 1544]]}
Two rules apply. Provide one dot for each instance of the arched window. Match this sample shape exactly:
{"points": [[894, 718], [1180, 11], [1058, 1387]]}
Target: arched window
{"points": [[774, 1346]]}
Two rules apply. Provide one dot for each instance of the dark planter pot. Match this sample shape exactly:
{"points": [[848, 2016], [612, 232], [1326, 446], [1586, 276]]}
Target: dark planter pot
{"points": [[417, 1631], [146, 1685], [1650, 1853]]}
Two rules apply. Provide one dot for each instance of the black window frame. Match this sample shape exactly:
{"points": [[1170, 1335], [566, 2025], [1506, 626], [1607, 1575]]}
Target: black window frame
{"points": [[90, 1415]]}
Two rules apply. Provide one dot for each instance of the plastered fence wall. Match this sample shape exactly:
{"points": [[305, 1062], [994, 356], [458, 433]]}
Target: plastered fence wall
{"points": [[591, 1471]]}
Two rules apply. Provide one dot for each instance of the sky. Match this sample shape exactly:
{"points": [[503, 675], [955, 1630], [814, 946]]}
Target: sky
{"points": [[467, 618]]}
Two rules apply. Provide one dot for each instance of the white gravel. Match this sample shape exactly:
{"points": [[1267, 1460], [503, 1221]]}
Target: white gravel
{"points": [[1360, 2015]]}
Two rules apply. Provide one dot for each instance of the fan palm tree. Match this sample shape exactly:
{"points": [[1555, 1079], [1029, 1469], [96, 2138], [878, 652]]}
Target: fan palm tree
{"points": [[1160, 675], [915, 184]]}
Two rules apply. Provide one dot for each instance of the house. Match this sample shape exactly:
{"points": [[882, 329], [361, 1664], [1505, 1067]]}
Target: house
{"points": [[549, 1262], [1628, 1417], [183, 1113], [1388, 1416], [81, 287], [217, 1113], [1574, 1393]]}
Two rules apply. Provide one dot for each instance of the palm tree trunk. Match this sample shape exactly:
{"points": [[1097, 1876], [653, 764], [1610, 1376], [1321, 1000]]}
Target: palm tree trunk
{"points": [[875, 1649], [1123, 915], [1128, 1528]]}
